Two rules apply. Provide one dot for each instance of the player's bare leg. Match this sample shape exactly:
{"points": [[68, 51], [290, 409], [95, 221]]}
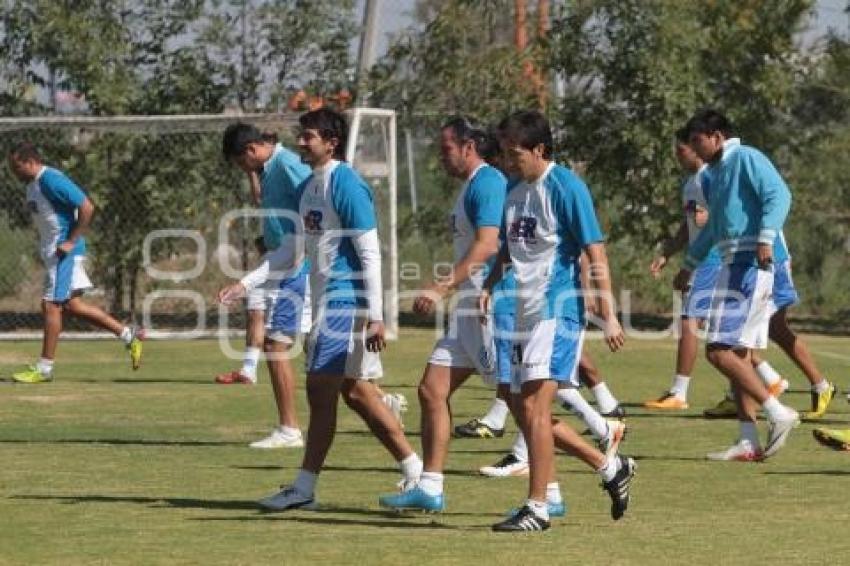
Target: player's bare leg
{"points": [[95, 315], [282, 376], [363, 397], [437, 385]]}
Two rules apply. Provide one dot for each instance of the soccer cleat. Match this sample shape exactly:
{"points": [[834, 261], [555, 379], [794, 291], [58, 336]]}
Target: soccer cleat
{"points": [[135, 348], [555, 509], [414, 499], [523, 521], [777, 434], [234, 377], [508, 466], [820, 402], [288, 498], [611, 443], [477, 429], [667, 401], [619, 488], [397, 404], [832, 438], [778, 388], [280, 439], [741, 451], [617, 412], [723, 410], [31, 375]]}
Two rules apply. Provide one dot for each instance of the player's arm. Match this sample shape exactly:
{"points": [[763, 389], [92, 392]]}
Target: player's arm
{"points": [[85, 212], [283, 259], [256, 187], [697, 252], [500, 265], [669, 248], [60, 190], [775, 204]]}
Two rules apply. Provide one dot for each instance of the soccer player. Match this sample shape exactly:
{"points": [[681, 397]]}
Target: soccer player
{"points": [[339, 225], [697, 300], [467, 348], [62, 213], [549, 220], [277, 311], [748, 206]]}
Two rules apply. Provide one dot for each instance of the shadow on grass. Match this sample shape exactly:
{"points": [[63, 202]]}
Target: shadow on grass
{"points": [[811, 473], [648, 457], [397, 522], [119, 442], [154, 502], [358, 469], [146, 381]]}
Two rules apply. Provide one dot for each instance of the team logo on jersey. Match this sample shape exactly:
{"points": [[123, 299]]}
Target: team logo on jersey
{"points": [[523, 228], [313, 221]]}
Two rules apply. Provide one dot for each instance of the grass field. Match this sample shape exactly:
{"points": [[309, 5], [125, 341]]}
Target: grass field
{"points": [[109, 466]]}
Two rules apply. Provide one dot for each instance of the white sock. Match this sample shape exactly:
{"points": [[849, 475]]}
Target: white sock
{"points": [[553, 493], [520, 448], [249, 363], [44, 366], [750, 433], [431, 483], [775, 410], [679, 389], [411, 467], [126, 335], [539, 508], [604, 399], [572, 400], [305, 482], [821, 386], [767, 374], [497, 415], [609, 469]]}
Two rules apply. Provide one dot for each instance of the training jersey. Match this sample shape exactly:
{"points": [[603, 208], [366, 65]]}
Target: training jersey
{"points": [[748, 205], [336, 206], [693, 197], [548, 223], [53, 200], [280, 178], [479, 204]]}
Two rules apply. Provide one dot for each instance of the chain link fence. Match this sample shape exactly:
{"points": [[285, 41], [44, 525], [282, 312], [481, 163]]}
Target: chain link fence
{"points": [[157, 248]]}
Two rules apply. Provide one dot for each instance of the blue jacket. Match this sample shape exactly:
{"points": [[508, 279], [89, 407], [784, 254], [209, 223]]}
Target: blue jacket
{"points": [[748, 204]]}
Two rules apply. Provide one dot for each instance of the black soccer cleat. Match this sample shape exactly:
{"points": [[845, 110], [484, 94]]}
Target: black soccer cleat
{"points": [[617, 412], [477, 429], [619, 488], [523, 522]]}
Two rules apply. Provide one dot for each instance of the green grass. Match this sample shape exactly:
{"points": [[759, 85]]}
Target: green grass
{"points": [[110, 466]]}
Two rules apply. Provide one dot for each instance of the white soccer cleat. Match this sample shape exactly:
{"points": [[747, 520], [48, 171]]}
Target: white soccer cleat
{"points": [[508, 466], [397, 404], [779, 431], [280, 439], [288, 498], [741, 451]]}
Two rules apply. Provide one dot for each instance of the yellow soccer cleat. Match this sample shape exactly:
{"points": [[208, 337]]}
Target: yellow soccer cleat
{"points": [[667, 401], [820, 402], [135, 348], [723, 410], [831, 438], [31, 375]]}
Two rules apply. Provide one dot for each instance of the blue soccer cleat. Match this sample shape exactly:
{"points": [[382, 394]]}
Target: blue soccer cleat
{"points": [[414, 499]]}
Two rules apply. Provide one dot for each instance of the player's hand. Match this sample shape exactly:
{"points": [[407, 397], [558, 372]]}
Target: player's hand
{"points": [[375, 336], [613, 332], [764, 255], [484, 300], [682, 280], [65, 248], [426, 302], [700, 217], [230, 294], [657, 265]]}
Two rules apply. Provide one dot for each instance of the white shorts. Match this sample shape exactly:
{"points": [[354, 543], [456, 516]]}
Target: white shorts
{"points": [[549, 349], [64, 277], [337, 344], [741, 307], [467, 344]]}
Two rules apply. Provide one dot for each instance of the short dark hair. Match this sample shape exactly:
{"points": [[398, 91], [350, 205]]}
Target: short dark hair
{"points": [[329, 124], [683, 135], [528, 129], [708, 121], [465, 130], [489, 149], [25, 151], [237, 137]]}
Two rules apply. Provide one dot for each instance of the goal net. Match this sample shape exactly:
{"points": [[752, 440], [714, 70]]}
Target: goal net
{"points": [[173, 221]]}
